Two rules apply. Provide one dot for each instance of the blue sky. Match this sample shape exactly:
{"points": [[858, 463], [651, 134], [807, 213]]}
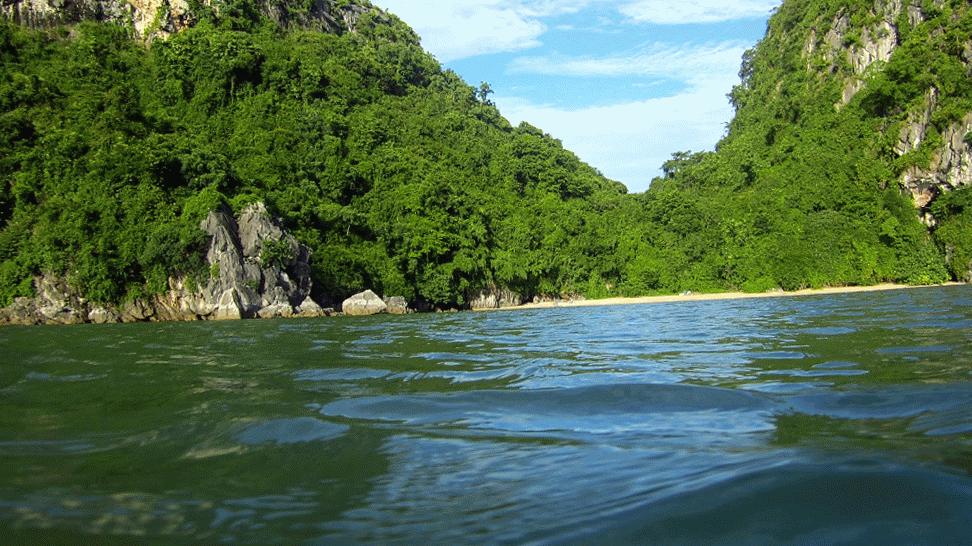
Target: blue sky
{"points": [[623, 83]]}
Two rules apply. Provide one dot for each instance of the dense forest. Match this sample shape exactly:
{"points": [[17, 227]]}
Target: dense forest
{"points": [[402, 178], [806, 189]]}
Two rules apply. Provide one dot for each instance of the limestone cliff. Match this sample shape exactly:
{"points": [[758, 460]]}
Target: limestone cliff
{"points": [[863, 47], [951, 164], [855, 52], [151, 19]]}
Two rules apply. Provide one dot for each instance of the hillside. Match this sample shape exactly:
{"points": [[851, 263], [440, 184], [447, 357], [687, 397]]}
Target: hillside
{"points": [[143, 142], [117, 141], [851, 140]]}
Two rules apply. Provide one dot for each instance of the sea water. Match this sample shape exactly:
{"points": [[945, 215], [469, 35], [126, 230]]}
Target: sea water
{"points": [[806, 420]]}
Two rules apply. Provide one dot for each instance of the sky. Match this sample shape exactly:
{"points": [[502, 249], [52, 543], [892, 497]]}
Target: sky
{"points": [[622, 83]]}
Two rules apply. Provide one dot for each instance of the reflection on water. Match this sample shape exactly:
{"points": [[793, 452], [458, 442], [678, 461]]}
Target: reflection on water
{"points": [[806, 420]]}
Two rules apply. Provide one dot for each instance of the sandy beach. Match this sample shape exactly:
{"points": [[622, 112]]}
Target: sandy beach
{"points": [[716, 296]]}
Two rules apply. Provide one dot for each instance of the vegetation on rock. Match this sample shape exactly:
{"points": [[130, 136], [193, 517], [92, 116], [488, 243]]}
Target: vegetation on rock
{"points": [[402, 178]]}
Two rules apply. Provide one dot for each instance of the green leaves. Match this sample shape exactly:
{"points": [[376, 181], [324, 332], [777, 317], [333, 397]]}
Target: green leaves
{"points": [[404, 179]]}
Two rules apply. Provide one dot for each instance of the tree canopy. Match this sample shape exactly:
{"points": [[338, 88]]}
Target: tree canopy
{"points": [[403, 178]]}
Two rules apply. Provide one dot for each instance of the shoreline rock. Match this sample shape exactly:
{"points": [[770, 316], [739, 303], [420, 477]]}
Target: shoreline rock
{"points": [[363, 304], [396, 305], [256, 268], [493, 297]]}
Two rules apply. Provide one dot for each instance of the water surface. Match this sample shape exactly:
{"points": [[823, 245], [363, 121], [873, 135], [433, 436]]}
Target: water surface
{"points": [[823, 419]]}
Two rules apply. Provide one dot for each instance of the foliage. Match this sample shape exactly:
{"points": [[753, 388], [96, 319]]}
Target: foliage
{"points": [[802, 193], [277, 253], [398, 175], [402, 178]]}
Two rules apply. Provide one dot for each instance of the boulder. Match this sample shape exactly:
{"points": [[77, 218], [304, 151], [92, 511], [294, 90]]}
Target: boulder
{"points": [[363, 304], [135, 311], [310, 309], [102, 315], [276, 310], [396, 305]]}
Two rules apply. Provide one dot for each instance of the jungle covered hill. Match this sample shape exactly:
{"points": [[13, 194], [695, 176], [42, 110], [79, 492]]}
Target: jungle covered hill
{"points": [[849, 159], [123, 126]]}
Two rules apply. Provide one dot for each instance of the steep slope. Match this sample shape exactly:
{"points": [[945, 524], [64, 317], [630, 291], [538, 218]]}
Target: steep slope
{"points": [[151, 19], [396, 175], [852, 128]]}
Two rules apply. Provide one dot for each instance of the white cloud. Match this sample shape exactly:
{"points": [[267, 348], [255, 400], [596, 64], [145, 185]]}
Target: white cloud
{"points": [[629, 141], [690, 62], [453, 30], [665, 12]]}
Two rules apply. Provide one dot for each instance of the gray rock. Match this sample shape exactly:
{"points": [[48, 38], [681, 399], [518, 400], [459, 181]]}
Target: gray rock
{"points": [[136, 311], [950, 168], [256, 227], [236, 263], [179, 303], [396, 305], [228, 307], [55, 302], [493, 298], [363, 304], [916, 127], [159, 19], [51, 312], [276, 310], [875, 44], [102, 315], [310, 309], [21, 311]]}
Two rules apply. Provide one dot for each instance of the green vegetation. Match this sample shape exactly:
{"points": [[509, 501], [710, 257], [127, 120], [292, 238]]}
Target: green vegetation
{"points": [[402, 178], [803, 192], [397, 175]]}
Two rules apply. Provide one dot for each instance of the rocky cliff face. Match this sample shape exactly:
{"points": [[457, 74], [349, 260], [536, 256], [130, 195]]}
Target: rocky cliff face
{"points": [[493, 298], [863, 50], [256, 270], [951, 164], [151, 19], [864, 47]]}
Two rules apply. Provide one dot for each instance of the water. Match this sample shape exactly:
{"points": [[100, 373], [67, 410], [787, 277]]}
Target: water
{"points": [[832, 419]]}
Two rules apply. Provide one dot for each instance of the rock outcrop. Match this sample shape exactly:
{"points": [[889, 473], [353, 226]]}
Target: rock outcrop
{"points": [[254, 265], [875, 44], [396, 305], [950, 166], [310, 309], [256, 269], [152, 19], [493, 298], [54, 303], [856, 52], [865, 47], [364, 304]]}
